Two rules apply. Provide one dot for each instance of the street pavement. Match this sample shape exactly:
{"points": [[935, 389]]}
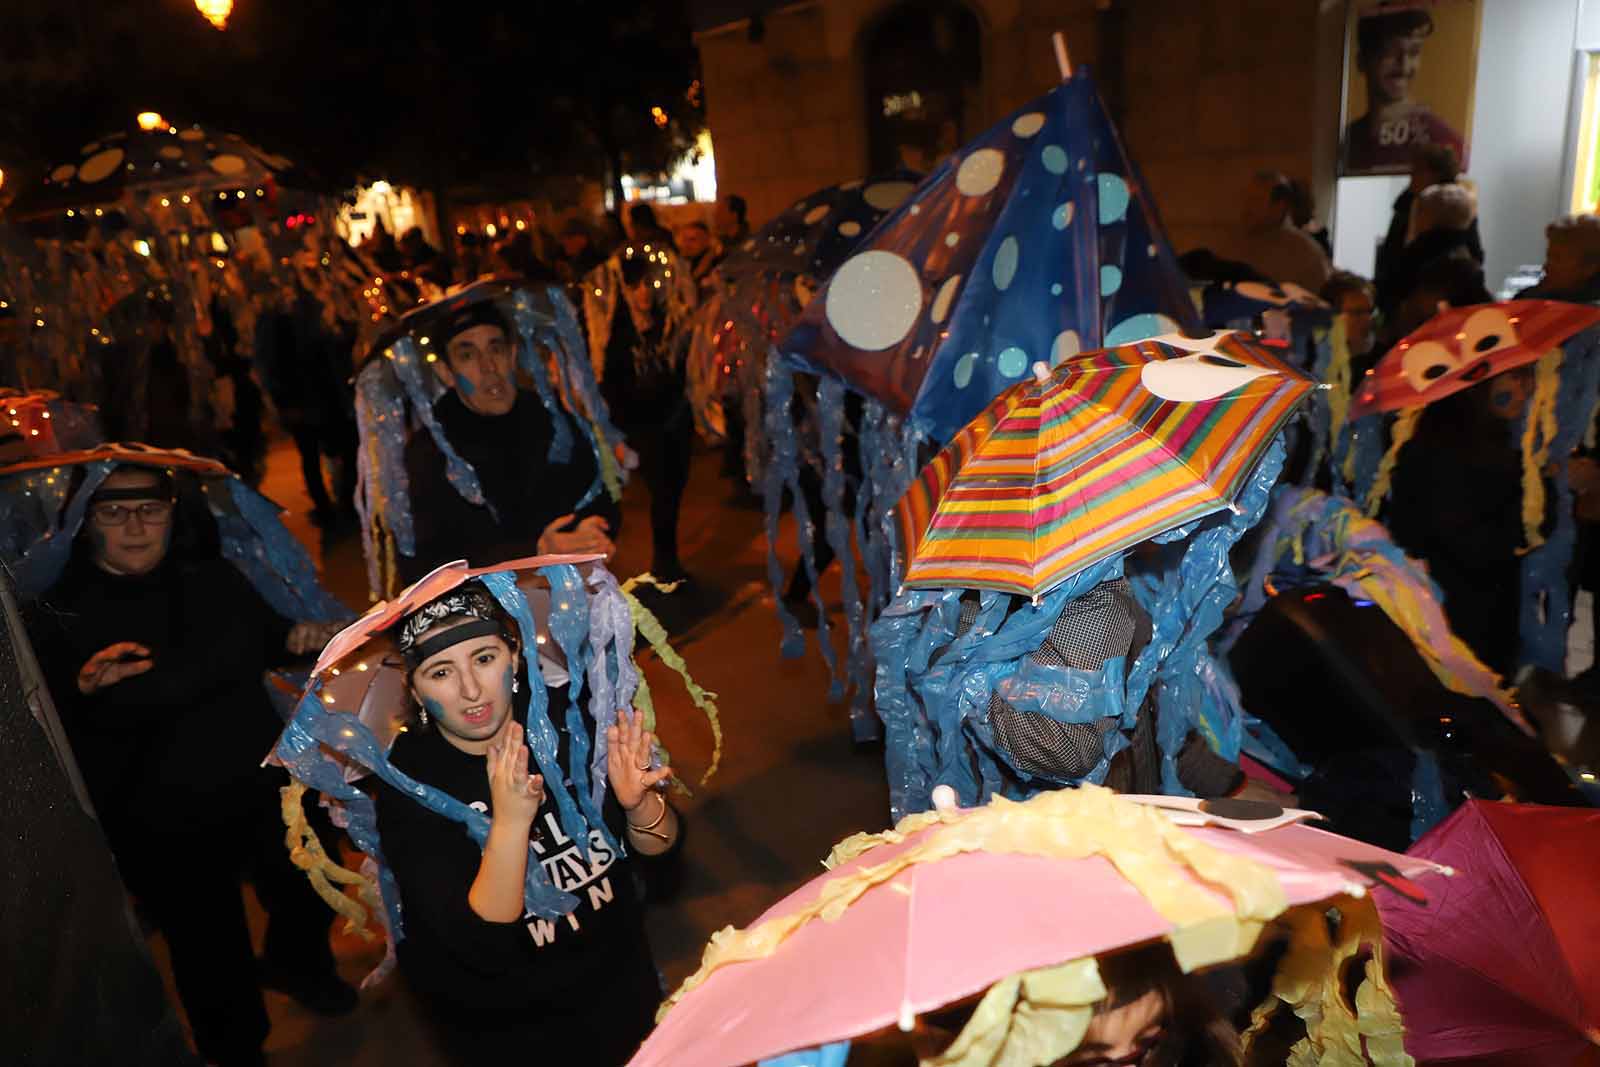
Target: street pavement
{"points": [[790, 785]]}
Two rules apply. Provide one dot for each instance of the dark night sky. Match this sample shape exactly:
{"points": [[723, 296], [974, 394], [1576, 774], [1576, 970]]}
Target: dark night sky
{"points": [[428, 91]]}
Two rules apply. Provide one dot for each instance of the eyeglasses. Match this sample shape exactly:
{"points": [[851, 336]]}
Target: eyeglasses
{"points": [[151, 513]]}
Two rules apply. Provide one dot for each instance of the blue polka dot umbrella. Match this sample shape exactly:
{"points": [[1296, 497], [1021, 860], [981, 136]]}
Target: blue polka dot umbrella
{"points": [[1035, 241]]}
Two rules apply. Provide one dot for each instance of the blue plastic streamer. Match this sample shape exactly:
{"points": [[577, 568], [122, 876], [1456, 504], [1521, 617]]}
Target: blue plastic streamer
{"points": [[540, 734], [783, 473], [528, 358], [1186, 604], [834, 1055], [562, 334], [1546, 611], [345, 734], [257, 542], [382, 486], [613, 678], [569, 623], [42, 564], [408, 368], [303, 757], [830, 409], [1428, 805]]}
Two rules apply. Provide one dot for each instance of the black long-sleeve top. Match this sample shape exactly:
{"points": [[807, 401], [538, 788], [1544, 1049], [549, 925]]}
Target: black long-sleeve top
{"points": [[474, 971], [508, 452], [177, 747]]}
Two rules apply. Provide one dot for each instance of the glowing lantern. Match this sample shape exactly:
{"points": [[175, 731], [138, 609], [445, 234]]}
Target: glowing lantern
{"points": [[149, 120], [215, 11]]}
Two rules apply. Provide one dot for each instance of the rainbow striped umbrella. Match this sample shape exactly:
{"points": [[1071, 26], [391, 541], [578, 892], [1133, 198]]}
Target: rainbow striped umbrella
{"points": [[1079, 463]]}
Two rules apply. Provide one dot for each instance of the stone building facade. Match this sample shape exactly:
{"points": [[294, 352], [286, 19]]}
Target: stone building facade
{"points": [[799, 95]]}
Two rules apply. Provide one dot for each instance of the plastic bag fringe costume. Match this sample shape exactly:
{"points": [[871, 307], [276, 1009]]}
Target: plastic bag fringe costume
{"points": [[327, 746], [252, 537], [397, 392], [1034, 242], [934, 685]]}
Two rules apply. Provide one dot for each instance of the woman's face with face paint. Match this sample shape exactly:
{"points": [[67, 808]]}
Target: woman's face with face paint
{"points": [[466, 689], [130, 534]]}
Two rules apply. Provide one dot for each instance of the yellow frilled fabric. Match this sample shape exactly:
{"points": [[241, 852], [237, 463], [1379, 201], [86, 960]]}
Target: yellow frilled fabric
{"points": [[645, 622], [1154, 855], [326, 875], [1309, 982]]}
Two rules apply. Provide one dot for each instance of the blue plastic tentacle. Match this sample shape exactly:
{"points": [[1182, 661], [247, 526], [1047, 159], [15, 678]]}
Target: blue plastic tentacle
{"points": [[578, 369], [1546, 612], [569, 625], [302, 755], [528, 358], [1428, 804], [613, 678], [541, 735], [277, 565], [408, 368], [830, 405], [46, 558], [383, 491], [834, 1055], [782, 473]]}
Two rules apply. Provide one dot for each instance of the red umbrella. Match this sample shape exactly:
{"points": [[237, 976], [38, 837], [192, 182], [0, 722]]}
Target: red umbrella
{"points": [[1503, 966]]}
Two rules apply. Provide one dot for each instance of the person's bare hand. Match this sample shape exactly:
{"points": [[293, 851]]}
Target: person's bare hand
{"points": [[514, 794], [112, 664], [590, 535], [629, 750], [308, 638]]}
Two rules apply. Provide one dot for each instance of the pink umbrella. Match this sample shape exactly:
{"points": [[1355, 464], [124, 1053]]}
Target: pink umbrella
{"points": [[1503, 967], [945, 929]]}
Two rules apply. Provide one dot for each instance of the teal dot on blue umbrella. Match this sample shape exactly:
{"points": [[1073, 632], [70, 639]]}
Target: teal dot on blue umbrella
{"points": [[1055, 290], [1062, 216], [1005, 263], [1054, 158], [963, 371], [1110, 279], [1138, 327], [1012, 362], [1113, 199]]}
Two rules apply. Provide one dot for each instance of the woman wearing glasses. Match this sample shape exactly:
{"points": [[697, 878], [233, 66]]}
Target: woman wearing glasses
{"points": [[155, 648]]}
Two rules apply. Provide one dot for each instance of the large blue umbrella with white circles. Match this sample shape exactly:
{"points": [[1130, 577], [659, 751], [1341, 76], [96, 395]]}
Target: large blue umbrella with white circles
{"points": [[1035, 241]]}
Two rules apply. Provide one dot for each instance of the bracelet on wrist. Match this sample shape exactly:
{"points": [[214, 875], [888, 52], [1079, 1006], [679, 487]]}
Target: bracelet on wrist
{"points": [[651, 826]]}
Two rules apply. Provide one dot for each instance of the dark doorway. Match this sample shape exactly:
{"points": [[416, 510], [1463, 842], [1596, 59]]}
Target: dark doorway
{"points": [[923, 62]]}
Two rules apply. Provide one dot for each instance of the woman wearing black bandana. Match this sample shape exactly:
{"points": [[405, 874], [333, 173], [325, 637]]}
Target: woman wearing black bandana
{"points": [[154, 648], [582, 988]]}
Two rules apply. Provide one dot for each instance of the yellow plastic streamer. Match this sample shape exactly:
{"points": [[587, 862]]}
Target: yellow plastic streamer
{"points": [[307, 853], [610, 472], [1157, 859], [1338, 378], [1539, 429], [1309, 981], [1404, 428], [648, 625], [1035, 1017]]}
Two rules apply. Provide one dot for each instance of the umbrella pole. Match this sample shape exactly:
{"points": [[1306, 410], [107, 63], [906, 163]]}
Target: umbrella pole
{"points": [[1063, 60]]}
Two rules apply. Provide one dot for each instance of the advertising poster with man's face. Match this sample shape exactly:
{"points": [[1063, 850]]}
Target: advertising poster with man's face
{"points": [[1408, 83]]}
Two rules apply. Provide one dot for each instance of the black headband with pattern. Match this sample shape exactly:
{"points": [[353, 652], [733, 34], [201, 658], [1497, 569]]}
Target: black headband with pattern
{"points": [[473, 604]]}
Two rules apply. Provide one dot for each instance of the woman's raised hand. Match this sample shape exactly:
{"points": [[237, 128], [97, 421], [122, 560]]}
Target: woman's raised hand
{"points": [[629, 748], [514, 794], [112, 664]]}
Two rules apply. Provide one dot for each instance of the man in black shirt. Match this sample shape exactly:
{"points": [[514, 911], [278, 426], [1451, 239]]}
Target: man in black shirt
{"points": [[534, 504]]}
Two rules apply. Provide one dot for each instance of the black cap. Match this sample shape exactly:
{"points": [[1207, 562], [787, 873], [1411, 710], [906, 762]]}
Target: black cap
{"points": [[476, 313]]}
